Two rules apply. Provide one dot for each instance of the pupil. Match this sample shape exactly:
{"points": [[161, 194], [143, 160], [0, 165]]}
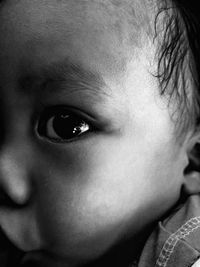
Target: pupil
{"points": [[65, 126]]}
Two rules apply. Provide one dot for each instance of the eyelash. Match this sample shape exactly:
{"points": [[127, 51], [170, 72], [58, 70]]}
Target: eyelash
{"points": [[61, 125]]}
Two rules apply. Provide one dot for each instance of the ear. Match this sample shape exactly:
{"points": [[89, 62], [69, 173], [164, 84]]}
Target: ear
{"points": [[191, 184]]}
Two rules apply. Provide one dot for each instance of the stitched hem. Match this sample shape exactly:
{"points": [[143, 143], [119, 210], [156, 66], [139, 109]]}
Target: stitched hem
{"points": [[173, 239]]}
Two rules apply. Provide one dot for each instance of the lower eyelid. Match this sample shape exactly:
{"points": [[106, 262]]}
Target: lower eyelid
{"points": [[80, 138]]}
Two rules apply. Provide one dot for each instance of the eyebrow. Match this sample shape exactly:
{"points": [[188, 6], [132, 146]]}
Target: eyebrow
{"points": [[74, 76]]}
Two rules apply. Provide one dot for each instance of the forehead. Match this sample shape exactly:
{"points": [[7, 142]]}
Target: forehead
{"points": [[39, 33], [102, 26], [78, 29]]}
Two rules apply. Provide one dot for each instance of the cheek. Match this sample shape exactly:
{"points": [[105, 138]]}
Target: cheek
{"points": [[85, 196], [80, 201]]}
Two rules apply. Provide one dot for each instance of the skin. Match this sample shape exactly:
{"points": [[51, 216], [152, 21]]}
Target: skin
{"points": [[77, 199]]}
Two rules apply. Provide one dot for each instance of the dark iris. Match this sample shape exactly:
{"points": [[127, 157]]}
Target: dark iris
{"points": [[67, 126], [61, 125]]}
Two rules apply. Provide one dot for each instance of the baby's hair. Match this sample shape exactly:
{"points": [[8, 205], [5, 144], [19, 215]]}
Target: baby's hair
{"points": [[179, 59]]}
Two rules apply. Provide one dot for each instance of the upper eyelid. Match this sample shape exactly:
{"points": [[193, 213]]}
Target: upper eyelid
{"points": [[75, 111]]}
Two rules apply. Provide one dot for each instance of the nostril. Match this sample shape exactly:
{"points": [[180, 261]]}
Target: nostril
{"points": [[6, 201]]}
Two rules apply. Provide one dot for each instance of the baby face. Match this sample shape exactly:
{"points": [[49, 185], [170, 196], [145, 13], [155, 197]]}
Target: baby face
{"points": [[88, 150]]}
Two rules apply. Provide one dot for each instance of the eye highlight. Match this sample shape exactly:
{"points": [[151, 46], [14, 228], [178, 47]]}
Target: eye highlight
{"points": [[60, 124]]}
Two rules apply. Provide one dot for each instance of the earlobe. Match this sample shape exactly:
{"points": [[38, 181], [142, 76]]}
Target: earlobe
{"points": [[191, 183]]}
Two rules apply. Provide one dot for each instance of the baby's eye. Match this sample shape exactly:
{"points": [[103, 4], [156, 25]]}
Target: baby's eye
{"points": [[61, 125]]}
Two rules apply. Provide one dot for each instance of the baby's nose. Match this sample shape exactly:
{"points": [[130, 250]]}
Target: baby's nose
{"points": [[15, 185], [18, 218]]}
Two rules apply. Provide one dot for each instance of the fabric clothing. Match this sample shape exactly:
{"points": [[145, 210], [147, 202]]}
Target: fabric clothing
{"points": [[175, 241]]}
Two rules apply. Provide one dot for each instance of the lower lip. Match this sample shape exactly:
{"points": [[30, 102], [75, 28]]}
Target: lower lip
{"points": [[40, 259], [35, 259]]}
